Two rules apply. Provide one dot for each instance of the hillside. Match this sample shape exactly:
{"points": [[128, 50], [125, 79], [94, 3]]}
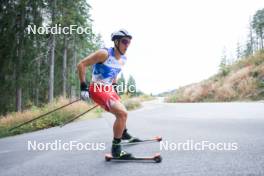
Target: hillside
{"points": [[241, 81]]}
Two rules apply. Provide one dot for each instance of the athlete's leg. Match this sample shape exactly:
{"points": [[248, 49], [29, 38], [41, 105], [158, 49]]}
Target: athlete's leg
{"points": [[119, 128], [119, 110]]}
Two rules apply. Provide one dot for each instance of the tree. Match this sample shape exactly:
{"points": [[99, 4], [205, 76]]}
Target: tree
{"points": [[224, 69], [258, 25], [52, 52], [121, 84], [35, 68], [238, 51], [131, 86], [250, 43]]}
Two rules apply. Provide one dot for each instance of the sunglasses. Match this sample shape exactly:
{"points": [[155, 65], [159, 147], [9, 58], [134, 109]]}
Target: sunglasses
{"points": [[125, 41]]}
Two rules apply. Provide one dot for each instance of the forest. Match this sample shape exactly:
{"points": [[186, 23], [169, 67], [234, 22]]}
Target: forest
{"points": [[39, 65]]}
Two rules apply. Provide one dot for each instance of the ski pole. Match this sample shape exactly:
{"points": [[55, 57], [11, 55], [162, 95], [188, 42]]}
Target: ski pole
{"points": [[74, 118], [43, 115]]}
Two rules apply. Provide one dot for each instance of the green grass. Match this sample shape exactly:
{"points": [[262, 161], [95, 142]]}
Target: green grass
{"points": [[51, 120], [132, 103]]}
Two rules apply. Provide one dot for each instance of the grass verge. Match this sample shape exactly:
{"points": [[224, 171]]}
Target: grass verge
{"points": [[54, 119]]}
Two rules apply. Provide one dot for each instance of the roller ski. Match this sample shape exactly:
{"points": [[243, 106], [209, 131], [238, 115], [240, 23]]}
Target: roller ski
{"points": [[128, 157], [134, 140], [117, 154], [127, 139]]}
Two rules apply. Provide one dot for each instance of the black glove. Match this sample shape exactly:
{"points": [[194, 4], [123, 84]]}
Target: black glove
{"points": [[84, 91]]}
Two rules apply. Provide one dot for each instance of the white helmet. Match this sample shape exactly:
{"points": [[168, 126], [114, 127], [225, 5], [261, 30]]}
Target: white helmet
{"points": [[120, 34]]}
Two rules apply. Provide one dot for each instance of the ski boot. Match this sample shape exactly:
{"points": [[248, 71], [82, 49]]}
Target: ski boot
{"points": [[129, 138], [117, 151]]}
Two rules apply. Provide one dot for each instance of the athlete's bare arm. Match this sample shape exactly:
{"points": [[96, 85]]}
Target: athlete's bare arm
{"points": [[97, 57]]}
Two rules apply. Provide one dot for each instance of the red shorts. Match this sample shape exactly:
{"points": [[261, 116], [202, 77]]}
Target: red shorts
{"points": [[103, 95]]}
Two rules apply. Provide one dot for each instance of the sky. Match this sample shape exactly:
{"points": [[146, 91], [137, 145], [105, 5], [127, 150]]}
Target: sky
{"points": [[175, 43]]}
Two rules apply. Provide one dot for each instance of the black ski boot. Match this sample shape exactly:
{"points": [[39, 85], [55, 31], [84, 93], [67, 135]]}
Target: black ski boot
{"points": [[131, 139], [117, 151]]}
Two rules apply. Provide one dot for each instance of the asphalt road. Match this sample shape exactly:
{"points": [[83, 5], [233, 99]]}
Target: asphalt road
{"points": [[237, 126]]}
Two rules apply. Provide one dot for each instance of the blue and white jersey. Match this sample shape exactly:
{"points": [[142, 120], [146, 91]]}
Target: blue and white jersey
{"points": [[107, 71]]}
